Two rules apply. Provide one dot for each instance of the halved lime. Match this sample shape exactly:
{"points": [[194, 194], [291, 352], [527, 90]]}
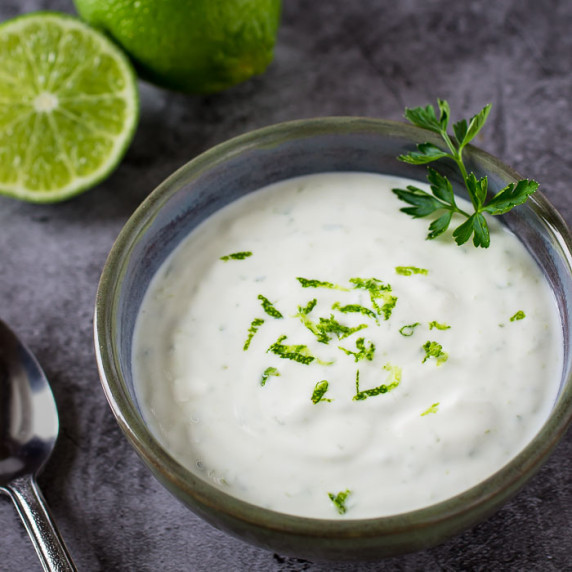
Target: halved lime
{"points": [[68, 107]]}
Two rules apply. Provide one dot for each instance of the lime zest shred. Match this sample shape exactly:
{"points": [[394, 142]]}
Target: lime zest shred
{"points": [[409, 270], [311, 283], [408, 329], [438, 326], [303, 312], [356, 309], [520, 315], [435, 350], [269, 308], [236, 256], [393, 380], [319, 391], [325, 327], [308, 307], [378, 290], [268, 372], [254, 325], [339, 500], [299, 353], [362, 352], [332, 326], [433, 409]]}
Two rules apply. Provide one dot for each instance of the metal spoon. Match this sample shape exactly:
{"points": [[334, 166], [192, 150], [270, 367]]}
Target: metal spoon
{"points": [[28, 430]]}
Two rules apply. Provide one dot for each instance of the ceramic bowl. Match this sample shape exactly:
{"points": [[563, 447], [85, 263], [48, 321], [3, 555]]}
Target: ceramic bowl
{"points": [[240, 166]]}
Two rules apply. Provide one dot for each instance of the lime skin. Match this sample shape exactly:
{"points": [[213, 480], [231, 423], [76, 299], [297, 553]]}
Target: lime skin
{"points": [[194, 46]]}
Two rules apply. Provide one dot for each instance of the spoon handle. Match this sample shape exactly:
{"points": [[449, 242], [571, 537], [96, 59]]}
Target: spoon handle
{"points": [[36, 517]]}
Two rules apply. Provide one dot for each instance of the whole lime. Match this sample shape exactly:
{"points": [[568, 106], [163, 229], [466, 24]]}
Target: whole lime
{"points": [[197, 46]]}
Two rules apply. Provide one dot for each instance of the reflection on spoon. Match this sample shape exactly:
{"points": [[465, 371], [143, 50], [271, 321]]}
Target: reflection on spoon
{"points": [[28, 430]]}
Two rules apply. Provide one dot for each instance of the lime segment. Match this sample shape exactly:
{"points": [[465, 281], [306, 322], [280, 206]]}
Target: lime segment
{"points": [[68, 107]]}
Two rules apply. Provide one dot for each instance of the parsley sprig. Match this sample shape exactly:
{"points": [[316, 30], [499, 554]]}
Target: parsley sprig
{"points": [[441, 200]]}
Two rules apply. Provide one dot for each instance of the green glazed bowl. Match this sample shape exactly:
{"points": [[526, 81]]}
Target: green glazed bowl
{"points": [[241, 166]]}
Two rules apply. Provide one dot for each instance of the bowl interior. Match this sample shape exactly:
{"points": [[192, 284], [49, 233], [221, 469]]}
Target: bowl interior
{"points": [[244, 165]]}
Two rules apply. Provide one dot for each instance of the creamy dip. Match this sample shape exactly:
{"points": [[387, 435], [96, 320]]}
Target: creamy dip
{"points": [[419, 370]]}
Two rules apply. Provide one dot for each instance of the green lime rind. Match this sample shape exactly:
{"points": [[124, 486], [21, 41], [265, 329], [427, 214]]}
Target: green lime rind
{"points": [[194, 46], [69, 107]]}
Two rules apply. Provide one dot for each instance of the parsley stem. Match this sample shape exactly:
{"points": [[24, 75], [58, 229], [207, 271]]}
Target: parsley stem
{"points": [[462, 212], [457, 156]]}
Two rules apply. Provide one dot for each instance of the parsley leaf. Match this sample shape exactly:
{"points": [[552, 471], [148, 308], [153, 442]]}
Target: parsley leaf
{"points": [[510, 197], [440, 200], [427, 152]]}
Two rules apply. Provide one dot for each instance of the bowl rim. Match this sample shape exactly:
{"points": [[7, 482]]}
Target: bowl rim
{"points": [[468, 506]]}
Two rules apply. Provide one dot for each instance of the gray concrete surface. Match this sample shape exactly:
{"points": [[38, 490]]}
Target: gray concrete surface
{"points": [[333, 58]]}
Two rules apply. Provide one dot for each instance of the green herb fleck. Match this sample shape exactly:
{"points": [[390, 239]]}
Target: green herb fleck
{"points": [[363, 352], [433, 409], [520, 315], [306, 283], [269, 308], [439, 326], [393, 380], [409, 270], [435, 350], [339, 500], [441, 200], [377, 291], [254, 325], [299, 353], [356, 309], [319, 391], [408, 329], [268, 372], [236, 256]]}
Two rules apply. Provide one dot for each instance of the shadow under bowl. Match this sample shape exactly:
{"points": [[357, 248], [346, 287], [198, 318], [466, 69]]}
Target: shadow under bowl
{"points": [[241, 166]]}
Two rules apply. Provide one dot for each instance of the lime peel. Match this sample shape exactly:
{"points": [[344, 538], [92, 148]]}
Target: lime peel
{"points": [[194, 46], [69, 107]]}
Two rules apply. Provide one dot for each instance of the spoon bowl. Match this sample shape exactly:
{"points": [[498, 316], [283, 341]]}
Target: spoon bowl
{"points": [[28, 430]]}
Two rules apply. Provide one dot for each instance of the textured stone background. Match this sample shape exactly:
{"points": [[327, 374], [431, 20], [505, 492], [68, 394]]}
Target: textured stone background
{"points": [[333, 58]]}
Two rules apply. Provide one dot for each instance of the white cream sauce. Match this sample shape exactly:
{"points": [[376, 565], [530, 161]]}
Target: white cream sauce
{"points": [[442, 429]]}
